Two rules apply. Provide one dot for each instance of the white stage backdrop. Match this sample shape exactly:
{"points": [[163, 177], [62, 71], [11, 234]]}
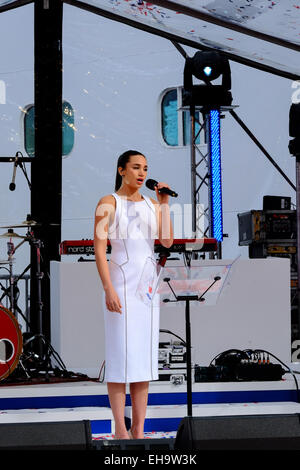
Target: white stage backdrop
{"points": [[252, 312]]}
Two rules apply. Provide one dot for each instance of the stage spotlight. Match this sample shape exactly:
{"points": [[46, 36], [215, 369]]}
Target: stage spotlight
{"points": [[294, 129], [207, 70], [207, 66]]}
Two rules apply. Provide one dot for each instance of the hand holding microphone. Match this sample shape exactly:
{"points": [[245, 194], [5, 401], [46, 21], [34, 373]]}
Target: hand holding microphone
{"points": [[152, 184]]}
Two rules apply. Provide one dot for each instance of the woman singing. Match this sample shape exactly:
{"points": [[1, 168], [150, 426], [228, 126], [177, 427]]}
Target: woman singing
{"points": [[131, 221]]}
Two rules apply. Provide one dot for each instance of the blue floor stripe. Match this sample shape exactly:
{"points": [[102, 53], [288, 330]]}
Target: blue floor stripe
{"points": [[161, 424], [101, 426], [53, 402], [224, 397], [154, 399]]}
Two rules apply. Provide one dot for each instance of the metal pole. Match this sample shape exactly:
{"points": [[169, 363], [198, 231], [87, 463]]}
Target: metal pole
{"points": [[188, 358], [193, 167], [46, 166], [260, 146]]}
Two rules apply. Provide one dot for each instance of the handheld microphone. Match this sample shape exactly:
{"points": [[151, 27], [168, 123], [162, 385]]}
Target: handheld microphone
{"points": [[12, 185], [152, 183]]}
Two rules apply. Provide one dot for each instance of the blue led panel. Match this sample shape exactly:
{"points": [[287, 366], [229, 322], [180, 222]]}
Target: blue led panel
{"points": [[215, 174]]}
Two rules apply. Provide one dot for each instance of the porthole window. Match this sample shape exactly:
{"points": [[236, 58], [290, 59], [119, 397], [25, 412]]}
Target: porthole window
{"points": [[67, 129], [169, 115], [175, 121]]}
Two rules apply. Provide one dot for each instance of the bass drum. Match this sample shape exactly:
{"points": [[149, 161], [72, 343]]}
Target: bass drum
{"points": [[11, 342]]}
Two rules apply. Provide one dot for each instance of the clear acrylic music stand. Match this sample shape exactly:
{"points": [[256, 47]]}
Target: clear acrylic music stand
{"points": [[202, 284]]}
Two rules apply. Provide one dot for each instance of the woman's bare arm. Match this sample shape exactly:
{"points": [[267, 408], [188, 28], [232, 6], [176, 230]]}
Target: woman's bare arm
{"points": [[103, 214], [165, 227]]}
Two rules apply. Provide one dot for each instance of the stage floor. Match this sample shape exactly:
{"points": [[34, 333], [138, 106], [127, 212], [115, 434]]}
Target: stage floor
{"points": [[167, 403]]}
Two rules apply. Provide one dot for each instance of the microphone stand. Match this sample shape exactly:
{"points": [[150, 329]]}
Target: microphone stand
{"points": [[19, 162], [188, 299]]}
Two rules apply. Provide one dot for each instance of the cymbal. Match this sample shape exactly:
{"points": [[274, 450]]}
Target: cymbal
{"points": [[12, 234], [26, 224], [29, 222], [20, 226]]}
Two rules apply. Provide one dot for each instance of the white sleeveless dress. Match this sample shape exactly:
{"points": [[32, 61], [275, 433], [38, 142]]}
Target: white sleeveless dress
{"points": [[132, 337]]}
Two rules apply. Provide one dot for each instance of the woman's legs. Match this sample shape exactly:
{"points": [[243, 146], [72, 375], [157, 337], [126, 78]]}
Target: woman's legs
{"points": [[117, 396], [139, 400]]}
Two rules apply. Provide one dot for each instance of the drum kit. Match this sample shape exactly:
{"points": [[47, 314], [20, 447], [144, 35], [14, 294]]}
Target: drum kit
{"points": [[27, 355]]}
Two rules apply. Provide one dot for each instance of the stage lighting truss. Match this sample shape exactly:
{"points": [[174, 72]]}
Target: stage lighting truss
{"points": [[200, 209], [206, 173], [211, 101]]}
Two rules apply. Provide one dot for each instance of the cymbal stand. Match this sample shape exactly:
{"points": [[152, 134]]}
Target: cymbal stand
{"points": [[12, 280], [39, 274], [10, 252], [44, 347]]}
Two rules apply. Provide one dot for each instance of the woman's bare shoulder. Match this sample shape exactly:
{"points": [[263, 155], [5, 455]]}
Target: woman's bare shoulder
{"points": [[107, 199], [107, 202]]}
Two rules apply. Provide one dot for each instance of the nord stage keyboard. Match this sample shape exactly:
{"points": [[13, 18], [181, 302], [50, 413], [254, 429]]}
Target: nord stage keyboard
{"points": [[86, 247]]}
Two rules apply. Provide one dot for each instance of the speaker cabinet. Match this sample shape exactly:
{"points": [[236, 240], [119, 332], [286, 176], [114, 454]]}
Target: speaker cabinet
{"points": [[244, 432], [68, 435]]}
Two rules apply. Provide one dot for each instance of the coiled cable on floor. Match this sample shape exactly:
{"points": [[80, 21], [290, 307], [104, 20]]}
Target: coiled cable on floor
{"points": [[247, 353], [287, 367]]}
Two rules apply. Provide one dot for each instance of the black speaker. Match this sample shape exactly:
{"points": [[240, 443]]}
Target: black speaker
{"points": [[68, 435], [243, 432], [274, 203]]}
